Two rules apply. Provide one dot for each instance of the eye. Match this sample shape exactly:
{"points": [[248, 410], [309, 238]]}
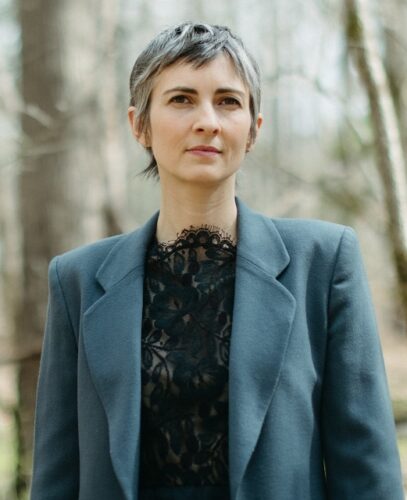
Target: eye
{"points": [[180, 99], [230, 101]]}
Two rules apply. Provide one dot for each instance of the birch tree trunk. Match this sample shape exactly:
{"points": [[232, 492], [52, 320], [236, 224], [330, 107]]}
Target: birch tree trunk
{"points": [[116, 173], [390, 158], [10, 244], [395, 19], [62, 183]]}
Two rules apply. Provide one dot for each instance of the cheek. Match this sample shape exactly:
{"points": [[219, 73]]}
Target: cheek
{"points": [[240, 135], [242, 123], [166, 132]]}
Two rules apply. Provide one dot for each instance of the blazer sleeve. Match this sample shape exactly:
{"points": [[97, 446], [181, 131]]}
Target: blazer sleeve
{"points": [[359, 440], [56, 454]]}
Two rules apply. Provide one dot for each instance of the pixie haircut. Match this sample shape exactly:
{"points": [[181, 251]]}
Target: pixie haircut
{"points": [[197, 44]]}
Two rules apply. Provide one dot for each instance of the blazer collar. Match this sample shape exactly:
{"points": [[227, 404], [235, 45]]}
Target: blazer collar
{"points": [[255, 233], [263, 314], [127, 255], [259, 241]]}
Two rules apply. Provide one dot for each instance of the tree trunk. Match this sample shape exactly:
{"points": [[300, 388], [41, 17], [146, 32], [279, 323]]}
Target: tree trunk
{"points": [[391, 161], [115, 178], [62, 188], [395, 18]]}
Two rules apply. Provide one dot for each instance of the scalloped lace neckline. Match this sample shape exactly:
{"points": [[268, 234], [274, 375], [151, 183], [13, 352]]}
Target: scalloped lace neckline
{"points": [[205, 235]]}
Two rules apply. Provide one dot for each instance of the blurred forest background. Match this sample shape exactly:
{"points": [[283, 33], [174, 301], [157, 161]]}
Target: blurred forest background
{"points": [[333, 146]]}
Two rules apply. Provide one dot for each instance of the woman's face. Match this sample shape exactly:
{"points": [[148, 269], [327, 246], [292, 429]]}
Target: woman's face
{"points": [[199, 122]]}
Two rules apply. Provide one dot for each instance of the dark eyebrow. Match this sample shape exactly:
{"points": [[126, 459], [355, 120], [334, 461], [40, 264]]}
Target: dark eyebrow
{"points": [[223, 90]]}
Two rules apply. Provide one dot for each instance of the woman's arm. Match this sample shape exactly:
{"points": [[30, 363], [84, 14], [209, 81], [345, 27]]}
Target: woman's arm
{"points": [[360, 448], [56, 454]]}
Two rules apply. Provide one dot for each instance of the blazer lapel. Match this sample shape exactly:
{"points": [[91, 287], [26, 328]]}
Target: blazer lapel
{"points": [[262, 319], [112, 340]]}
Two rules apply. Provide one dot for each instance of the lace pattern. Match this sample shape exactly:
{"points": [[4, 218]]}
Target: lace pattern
{"points": [[205, 235], [187, 320]]}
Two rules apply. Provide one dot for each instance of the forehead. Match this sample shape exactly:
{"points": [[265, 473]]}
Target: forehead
{"points": [[217, 73]]}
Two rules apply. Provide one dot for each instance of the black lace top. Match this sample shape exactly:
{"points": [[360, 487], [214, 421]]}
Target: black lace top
{"points": [[187, 319]]}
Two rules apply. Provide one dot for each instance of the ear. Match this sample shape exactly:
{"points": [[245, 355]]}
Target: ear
{"points": [[135, 127], [259, 123]]}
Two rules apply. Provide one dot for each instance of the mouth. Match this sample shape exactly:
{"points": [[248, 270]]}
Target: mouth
{"points": [[205, 151]]}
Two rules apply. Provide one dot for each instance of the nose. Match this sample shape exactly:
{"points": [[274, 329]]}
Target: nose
{"points": [[207, 120]]}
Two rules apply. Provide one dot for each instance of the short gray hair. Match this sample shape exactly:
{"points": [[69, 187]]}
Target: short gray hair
{"points": [[197, 44]]}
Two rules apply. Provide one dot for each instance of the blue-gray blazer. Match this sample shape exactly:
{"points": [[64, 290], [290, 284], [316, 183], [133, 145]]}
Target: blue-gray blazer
{"points": [[309, 410]]}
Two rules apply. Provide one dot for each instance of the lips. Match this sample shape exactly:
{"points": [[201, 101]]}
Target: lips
{"points": [[209, 149]]}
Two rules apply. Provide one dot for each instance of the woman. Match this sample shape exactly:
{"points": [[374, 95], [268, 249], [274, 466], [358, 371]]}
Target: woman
{"points": [[213, 353]]}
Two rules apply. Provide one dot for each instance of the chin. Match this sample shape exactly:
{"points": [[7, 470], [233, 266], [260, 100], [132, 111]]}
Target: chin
{"points": [[209, 175], [208, 178]]}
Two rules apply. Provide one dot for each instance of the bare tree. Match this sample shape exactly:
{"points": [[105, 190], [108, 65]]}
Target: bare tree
{"points": [[390, 159], [395, 38], [115, 178], [62, 183]]}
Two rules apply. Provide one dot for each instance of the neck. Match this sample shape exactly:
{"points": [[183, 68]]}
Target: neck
{"points": [[195, 205]]}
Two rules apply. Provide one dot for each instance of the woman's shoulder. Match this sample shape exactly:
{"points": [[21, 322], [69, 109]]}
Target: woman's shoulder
{"points": [[85, 260], [316, 228], [108, 260], [295, 230], [91, 251], [300, 235]]}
